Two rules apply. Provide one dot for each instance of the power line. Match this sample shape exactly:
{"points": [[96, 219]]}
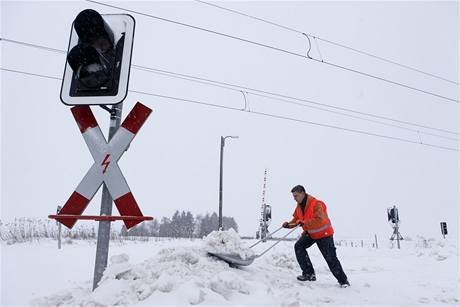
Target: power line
{"points": [[278, 49], [302, 105], [254, 91], [33, 45], [257, 113], [388, 61], [30, 74], [328, 41], [251, 16], [362, 118], [295, 120], [262, 93]]}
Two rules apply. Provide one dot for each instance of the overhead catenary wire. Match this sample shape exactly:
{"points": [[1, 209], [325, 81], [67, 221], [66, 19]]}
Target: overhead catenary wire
{"points": [[254, 91], [257, 113], [277, 49], [328, 41], [361, 118], [266, 94], [30, 74], [295, 120], [33, 45], [307, 106]]}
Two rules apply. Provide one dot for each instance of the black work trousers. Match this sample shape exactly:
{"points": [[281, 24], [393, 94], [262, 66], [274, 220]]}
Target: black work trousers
{"points": [[327, 248]]}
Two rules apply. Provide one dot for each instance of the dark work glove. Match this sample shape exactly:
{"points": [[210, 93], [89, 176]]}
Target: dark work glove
{"points": [[285, 225]]}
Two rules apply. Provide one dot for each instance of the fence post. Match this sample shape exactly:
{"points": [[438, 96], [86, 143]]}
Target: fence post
{"points": [[59, 227]]}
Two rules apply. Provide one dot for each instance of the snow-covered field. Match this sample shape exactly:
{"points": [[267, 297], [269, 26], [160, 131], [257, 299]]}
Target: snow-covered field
{"points": [[179, 272]]}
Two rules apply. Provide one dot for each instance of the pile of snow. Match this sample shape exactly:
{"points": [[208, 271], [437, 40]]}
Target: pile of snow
{"points": [[227, 242], [186, 273]]}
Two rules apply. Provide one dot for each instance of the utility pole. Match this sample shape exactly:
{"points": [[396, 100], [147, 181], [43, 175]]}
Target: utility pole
{"points": [[222, 145]]}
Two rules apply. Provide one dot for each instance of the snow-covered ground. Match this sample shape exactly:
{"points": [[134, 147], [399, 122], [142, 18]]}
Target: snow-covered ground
{"points": [[179, 272]]}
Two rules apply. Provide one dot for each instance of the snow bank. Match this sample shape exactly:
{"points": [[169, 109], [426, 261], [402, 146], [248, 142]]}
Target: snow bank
{"points": [[182, 272], [186, 273], [227, 242]]}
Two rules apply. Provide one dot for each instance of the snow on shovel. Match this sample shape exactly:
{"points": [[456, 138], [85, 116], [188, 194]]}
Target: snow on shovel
{"points": [[236, 260]]}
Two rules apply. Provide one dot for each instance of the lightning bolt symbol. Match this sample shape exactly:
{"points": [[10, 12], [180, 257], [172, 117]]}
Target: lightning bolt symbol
{"points": [[106, 162]]}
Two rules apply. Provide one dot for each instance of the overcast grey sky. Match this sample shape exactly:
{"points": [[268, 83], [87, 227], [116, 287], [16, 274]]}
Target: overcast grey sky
{"points": [[173, 163]]}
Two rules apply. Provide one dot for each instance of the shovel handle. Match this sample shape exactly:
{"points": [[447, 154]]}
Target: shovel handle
{"points": [[279, 240], [266, 237]]}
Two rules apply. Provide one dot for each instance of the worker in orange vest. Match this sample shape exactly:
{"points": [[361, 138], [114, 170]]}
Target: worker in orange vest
{"points": [[311, 214]]}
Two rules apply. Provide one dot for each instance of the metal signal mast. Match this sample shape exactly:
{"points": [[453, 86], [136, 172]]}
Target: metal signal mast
{"points": [[393, 219], [265, 214]]}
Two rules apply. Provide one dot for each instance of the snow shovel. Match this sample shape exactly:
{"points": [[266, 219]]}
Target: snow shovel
{"points": [[236, 260]]}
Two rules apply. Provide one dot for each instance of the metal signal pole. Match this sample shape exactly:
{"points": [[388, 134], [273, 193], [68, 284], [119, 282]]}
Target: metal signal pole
{"points": [[103, 234], [263, 222]]}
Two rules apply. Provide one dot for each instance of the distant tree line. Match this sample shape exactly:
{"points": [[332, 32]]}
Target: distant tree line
{"points": [[181, 225], [27, 229]]}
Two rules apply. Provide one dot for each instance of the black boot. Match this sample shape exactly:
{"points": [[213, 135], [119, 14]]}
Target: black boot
{"points": [[306, 277], [345, 284]]}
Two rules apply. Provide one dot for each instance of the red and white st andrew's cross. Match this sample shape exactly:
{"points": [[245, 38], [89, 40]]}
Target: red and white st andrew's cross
{"points": [[105, 168]]}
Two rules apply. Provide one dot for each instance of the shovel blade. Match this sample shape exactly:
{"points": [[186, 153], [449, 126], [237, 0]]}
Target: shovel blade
{"points": [[234, 259]]}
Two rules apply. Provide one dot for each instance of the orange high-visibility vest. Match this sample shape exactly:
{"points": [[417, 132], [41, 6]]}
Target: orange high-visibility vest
{"points": [[316, 222]]}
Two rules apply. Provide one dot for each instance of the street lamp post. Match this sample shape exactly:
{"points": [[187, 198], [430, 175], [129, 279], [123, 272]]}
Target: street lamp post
{"points": [[222, 144]]}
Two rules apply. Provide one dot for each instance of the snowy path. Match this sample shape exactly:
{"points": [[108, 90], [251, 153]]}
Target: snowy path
{"points": [[178, 272]]}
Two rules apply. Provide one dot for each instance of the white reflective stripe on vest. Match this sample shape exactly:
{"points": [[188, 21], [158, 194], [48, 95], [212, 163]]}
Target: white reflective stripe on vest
{"points": [[319, 229]]}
